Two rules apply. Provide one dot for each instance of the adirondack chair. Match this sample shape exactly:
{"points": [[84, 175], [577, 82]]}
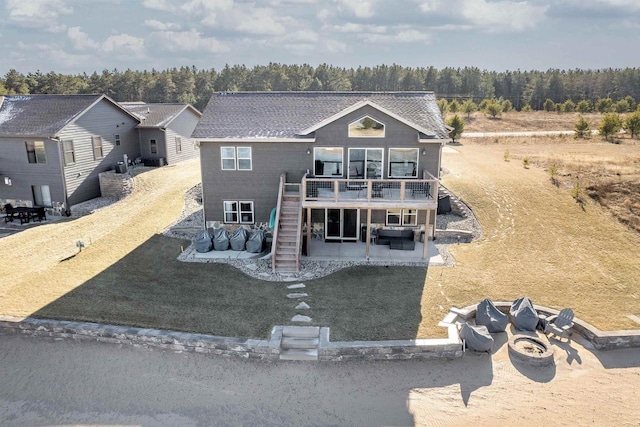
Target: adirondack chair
{"points": [[560, 324]]}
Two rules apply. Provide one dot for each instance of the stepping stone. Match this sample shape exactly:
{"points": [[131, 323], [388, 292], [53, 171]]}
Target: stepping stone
{"points": [[300, 318], [296, 286], [297, 295], [302, 306], [301, 331]]}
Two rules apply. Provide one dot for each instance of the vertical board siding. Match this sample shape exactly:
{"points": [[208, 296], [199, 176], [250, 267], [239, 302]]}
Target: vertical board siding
{"points": [[104, 120], [15, 165]]}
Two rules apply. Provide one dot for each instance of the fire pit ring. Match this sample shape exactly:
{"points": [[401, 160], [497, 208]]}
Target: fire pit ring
{"points": [[530, 350]]}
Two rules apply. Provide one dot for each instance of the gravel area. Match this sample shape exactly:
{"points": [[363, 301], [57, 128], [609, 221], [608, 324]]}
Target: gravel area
{"points": [[191, 221]]}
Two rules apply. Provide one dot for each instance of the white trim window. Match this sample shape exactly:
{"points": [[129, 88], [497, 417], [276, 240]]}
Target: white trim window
{"points": [[36, 152], [403, 162], [69, 152], [178, 145], [327, 161], [366, 127], [238, 212], [406, 217], [98, 151], [236, 158], [366, 163]]}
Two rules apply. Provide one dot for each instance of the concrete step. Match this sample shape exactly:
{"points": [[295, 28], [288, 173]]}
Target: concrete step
{"points": [[292, 342], [301, 331], [299, 354]]}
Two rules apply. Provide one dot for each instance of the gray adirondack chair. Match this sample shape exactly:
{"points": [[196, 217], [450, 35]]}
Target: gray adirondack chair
{"points": [[560, 324]]}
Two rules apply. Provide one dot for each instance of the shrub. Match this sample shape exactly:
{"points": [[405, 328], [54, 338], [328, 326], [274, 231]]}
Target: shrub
{"points": [[610, 125], [584, 106], [525, 162], [632, 124], [527, 108], [443, 105], [604, 105], [469, 107], [493, 108], [577, 192], [454, 106], [553, 169], [506, 106], [582, 128], [458, 127], [622, 106], [506, 155], [569, 106], [549, 105], [631, 101], [559, 108]]}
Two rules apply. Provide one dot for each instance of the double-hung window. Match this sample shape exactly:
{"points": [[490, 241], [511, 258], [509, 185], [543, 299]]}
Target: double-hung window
{"points": [[408, 217], [238, 212], [35, 152], [178, 145], [236, 158], [69, 152], [98, 153], [153, 146]]}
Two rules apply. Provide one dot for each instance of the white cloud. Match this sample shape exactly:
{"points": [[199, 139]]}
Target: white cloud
{"points": [[163, 5], [238, 17], [41, 14], [161, 26], [335, 46], [402, 36], [410, 36], [81, 40], [359, 8], [351, 27], [489, 16], [123, 45], [186, 41]]}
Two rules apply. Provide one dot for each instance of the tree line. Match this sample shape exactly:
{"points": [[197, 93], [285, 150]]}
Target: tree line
{"points": [[523, 89]]}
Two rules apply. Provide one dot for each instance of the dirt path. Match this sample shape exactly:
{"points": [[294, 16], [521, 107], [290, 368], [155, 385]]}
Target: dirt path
{"points": [[34, 255], [72, 383]]}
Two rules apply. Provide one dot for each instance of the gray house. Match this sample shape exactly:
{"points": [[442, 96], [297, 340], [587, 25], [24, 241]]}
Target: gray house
{"points": [[52, 147], [339, 165], [165, 131]]}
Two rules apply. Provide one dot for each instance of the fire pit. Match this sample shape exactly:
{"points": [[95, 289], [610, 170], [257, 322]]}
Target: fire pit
{"points": [[530, 350]]}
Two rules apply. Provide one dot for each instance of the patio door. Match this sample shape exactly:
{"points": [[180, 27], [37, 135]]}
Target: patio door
{"points": [[342, 224]]}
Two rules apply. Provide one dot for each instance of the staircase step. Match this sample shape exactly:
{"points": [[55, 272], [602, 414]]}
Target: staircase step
{"points": [[293, 342], [301, 331], [299, 354]]}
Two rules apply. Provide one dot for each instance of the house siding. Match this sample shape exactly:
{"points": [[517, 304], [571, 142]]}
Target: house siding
{"points": [[270, 159], [182, 127], [146, 135], [104, 120], [14, 164]]}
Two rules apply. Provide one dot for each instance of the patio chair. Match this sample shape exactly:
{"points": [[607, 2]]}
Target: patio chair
{"points": [[560, 324]]}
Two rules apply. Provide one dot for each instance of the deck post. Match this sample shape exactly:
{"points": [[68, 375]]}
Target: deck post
{"points": [[368, 233], [308, 231], [425, 243]]}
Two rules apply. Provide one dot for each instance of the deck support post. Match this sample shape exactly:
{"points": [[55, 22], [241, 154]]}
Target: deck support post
{"points": [[368, 233], [308, 231], [425, 243]]}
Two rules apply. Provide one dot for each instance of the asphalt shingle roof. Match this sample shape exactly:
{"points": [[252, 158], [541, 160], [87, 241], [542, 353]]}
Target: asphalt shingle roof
{"points": [[266, 115], [154, 115], [40, 115]]}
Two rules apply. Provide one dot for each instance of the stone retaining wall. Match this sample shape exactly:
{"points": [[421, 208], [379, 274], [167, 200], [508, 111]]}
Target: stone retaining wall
{"points": [[602, 340], [115, 185]]}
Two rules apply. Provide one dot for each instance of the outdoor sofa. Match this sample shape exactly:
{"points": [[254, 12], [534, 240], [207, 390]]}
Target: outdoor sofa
{"points": [[396, 239]]}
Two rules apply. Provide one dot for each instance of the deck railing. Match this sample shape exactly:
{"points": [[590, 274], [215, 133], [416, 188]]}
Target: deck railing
{"points": [[370, 190]]}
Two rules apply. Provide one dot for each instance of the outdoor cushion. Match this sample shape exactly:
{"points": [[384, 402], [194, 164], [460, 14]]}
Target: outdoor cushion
{"points": [[203, 241], [523, 316], [239, 239], [476, 338], [221, 240], [488, 315]]}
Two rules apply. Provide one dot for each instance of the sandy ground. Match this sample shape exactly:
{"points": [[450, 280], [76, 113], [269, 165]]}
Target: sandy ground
{"points": [[64, 382]]}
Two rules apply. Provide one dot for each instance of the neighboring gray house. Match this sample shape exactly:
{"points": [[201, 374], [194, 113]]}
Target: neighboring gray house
{"points": [[339, 163], [52, 147], [165, 131]]}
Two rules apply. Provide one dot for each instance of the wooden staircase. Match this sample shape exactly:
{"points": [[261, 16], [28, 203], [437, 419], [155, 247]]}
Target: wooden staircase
{"points": [[287, 244]]}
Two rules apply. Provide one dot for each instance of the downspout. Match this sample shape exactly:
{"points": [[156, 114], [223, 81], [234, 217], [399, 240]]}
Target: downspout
{"points": [[65, 196]]}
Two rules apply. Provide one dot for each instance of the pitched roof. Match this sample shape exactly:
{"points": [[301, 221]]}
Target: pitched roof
{"points": [[248, 115], [156, 115], [41, 115]]}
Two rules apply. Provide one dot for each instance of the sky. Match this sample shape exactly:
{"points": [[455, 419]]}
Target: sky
{"points": [[76, 36]]}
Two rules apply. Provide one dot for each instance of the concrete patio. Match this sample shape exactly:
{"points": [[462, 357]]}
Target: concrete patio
{"points": [[347, 251]]}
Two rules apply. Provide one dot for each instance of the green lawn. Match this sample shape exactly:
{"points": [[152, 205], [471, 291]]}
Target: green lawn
{"points": [[150, 288]]}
